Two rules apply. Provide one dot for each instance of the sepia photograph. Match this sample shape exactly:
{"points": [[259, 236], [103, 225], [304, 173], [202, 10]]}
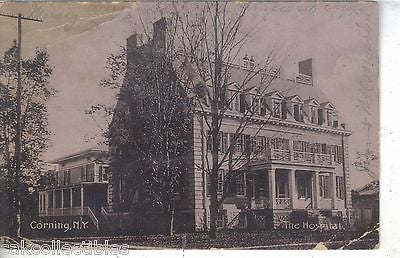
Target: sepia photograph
{"points": [[189, 125]]}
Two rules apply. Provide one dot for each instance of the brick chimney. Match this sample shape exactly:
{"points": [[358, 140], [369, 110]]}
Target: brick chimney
{"points": [[160, 33]]}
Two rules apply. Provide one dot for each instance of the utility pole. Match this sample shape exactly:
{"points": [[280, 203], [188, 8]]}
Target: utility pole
{"points": [[18, 129]]}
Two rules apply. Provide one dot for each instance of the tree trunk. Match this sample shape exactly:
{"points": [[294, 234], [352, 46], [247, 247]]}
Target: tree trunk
{"points": [[215, 107], [171, 220]]}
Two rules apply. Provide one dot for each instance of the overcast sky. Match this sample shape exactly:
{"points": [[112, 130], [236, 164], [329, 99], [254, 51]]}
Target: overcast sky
{"points": [[341, 38]]}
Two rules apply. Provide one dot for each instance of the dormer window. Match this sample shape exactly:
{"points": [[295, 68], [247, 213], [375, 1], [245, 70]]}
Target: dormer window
{"points": [[259, 107], [298, 112], [313, 115], [329, 117], [328, 114], [277, 109]]}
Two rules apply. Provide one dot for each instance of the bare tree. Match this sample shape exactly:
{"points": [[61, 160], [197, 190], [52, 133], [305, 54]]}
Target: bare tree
{"points": [[204, 45], [210, 42]]}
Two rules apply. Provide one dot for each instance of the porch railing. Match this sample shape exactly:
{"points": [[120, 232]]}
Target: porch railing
{"points": [[65, 211], [300, 157], [282, 203]]}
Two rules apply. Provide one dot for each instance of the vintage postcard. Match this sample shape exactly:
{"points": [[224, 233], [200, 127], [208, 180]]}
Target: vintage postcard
{"points": [[189, 125]]}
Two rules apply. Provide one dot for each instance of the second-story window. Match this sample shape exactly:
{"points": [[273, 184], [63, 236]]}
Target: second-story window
{"points": [[280, 144], [83, 174], [241, 184], [67, 177]]}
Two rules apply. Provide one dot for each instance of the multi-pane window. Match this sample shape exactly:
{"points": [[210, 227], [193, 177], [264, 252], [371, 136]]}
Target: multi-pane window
{"points": [[303, 186], [313, 115], [240, 143], [324, 186], [259, 106], [329, 118], [223, 142], [67, 177], [241, 184], [222, 218], [277, 109], [243, 103], [298, 112], [220, 181], [301, 146], [340, 187], [261, 144], [280, 144]]}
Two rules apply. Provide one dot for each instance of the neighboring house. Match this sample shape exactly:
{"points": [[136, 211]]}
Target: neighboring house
{"points": [[79, 188], [299, 168], [366, 205]]}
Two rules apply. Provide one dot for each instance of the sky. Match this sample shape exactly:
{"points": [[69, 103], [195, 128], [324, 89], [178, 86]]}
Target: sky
{"points": [[341, 38]]}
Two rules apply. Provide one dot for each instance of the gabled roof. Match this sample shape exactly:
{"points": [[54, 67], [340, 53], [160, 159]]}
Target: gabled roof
{"points": [[312, 102], [328, 105], [296, 98], [275, 94]]}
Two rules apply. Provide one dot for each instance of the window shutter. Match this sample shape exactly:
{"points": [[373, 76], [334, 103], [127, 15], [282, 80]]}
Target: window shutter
{"points": [[320, 116], [243, 103], [232, 142], [284, 109], [208, 186], [247, 143], [224, 142], [263, 108]]}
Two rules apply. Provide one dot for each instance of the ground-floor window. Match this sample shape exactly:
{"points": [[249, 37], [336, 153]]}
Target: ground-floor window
{"points": [[303, 186], [324, 186], [340, 187], [222, 219], [282, 185]]}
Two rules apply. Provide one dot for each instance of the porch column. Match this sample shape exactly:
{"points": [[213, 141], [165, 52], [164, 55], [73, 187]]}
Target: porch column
{"points": [[62, 198], [333, 191], [81, 199], [271, 187], [54, 198], [70, 198], [316, 190], [96, 172], [62, 201], [292, 187]]}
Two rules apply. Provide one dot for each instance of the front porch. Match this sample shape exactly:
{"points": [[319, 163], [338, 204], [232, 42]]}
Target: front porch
{"points": [[281, 188], [85, 199]]}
